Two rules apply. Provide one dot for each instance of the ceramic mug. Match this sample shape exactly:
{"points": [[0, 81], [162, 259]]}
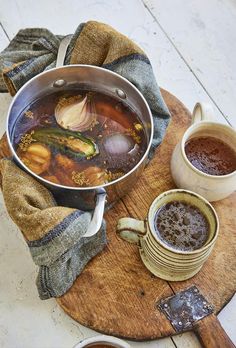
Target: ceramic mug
{"points": [[185, 175], [162, 260], [102, 340]]}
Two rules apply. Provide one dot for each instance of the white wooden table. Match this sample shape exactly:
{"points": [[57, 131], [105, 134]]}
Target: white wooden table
{"points": [[191, 45]]}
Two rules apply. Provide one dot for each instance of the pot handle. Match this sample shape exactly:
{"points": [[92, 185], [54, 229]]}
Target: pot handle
{"points": [[203, 112], [98, 213], [62, 50], [131, 230]]}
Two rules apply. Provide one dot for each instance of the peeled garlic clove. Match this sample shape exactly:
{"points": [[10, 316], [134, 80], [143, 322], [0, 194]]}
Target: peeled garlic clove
{"points": [[37, 158], [76, 113]]}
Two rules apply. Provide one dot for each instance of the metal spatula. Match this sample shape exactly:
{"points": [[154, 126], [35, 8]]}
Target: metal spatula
{"points": [[189, 310]]}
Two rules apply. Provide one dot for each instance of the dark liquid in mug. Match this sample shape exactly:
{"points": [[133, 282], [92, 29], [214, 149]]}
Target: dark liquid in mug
{"points": [[211, 155], [181, 226]]}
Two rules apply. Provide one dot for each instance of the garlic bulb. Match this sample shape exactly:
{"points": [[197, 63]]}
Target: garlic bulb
{"points": [[76, 113]]}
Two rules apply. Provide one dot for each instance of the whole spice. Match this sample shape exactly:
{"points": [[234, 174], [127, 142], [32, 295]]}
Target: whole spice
{"points": [[79, 178], [113, 176], [29, 114], [134, 135], [138, 127], [26, 140], [91, 176]]}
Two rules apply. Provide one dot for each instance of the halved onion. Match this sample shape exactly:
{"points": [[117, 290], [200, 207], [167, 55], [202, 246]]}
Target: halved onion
{"points": [[76, 113]]}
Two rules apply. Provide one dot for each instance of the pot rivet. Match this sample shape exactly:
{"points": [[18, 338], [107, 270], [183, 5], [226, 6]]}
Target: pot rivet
{"points": [[59, 83], [120, 93]]}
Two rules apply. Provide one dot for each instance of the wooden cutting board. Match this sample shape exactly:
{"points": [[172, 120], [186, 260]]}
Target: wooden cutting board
{"points": [[116, 294]]}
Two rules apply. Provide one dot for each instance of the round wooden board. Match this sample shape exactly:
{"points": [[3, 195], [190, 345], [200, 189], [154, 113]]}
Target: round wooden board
{"points": [[116, 294]]}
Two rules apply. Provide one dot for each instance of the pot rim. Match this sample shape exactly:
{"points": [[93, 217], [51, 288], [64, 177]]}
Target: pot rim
{"points": [[39, 178], [186, 137], [183, 252]]}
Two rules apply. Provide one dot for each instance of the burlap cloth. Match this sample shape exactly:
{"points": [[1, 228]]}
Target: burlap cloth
{"points": [[54, 234]]}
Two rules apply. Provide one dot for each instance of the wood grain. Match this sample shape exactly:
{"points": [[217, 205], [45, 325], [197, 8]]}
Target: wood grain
{"points": [[217, 279], [211, 333], [115, 294], [203, 25]]}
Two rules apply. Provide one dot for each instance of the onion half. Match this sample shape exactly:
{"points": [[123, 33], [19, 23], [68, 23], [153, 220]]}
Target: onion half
{"points": [[76, 113]]}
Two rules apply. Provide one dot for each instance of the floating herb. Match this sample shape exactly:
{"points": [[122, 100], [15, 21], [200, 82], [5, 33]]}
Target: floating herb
{"points": [[134, 135], [29, 114], [79, 178], [26, 140]]}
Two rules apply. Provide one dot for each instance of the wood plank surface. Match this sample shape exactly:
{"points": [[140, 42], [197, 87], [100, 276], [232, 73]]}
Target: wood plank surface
{"points": [[129, 17], [3, 38], [116, 294], [204, 34], [4, 97], [217, 279]]}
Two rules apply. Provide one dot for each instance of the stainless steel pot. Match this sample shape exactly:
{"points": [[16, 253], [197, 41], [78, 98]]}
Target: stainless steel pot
{"points": [[95, 78]]}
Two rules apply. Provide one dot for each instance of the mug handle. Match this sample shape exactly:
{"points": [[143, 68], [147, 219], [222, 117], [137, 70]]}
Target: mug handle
{"points": [[131, 230], [203, 112]]}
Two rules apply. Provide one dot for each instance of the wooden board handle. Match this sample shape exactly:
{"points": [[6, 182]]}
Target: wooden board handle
{"points": [[211, 333]]}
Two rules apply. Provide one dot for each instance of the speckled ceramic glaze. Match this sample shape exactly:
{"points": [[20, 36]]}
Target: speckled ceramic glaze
{"points": [[162, 260]]}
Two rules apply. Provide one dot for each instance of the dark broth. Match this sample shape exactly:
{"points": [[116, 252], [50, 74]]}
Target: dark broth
{"points": [[211, 155], [182, 226], [112, 145]]}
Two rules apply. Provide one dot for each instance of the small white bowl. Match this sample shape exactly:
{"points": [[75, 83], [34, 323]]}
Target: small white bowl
{"points": [[102, 339]]}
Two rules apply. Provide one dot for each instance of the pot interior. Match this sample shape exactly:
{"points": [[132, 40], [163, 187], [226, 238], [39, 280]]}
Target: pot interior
{"points": [[85, 77], [80, 77]]}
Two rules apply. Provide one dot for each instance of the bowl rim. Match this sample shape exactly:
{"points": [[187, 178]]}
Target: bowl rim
{"points": [[74, 188], [189, 193], [185, 139], [102, 339]]}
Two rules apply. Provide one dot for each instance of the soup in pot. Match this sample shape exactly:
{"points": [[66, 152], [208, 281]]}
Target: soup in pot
{"points": [[79, 138]]}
